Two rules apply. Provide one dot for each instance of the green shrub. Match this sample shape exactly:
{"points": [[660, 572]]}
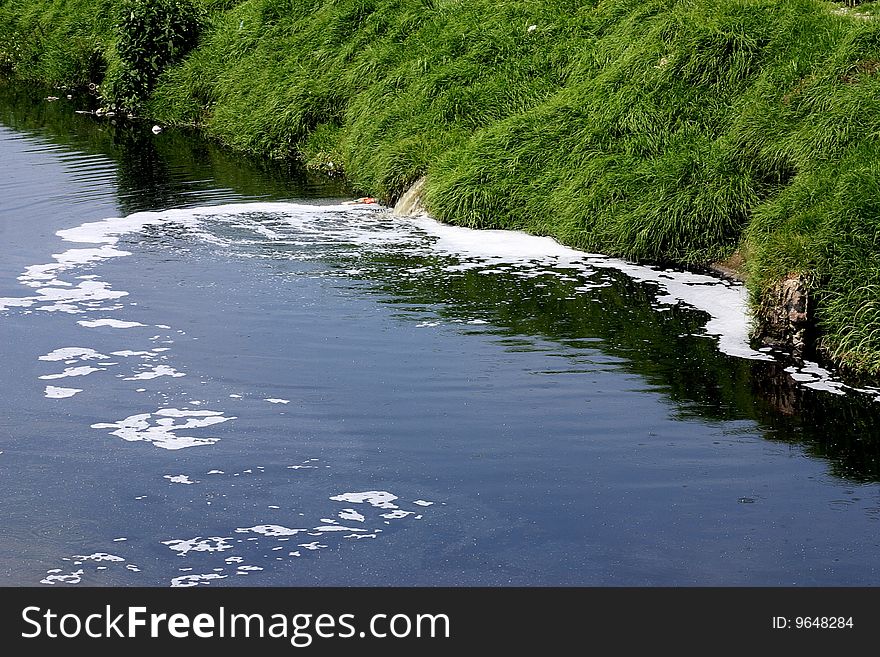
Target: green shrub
{"points": [[152, 35]]}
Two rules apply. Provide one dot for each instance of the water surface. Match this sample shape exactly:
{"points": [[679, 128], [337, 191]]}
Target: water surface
{"points": [[217, 372]]}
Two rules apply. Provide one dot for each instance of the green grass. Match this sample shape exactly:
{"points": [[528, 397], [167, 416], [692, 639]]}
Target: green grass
{"points": [[658, 130]]}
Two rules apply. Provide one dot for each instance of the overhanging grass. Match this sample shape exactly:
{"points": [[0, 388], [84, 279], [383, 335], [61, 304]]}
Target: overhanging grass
{"points": [[662, 130]]}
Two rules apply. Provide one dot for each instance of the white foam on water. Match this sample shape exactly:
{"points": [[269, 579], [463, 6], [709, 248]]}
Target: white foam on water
{"points": [[161, 432], [77, 353], [108, 231], [725, 302], [63, 296], [15, 302], [65, 300], [812, 375], [98, 556], [54, 392], [351, 514], [112, 323], [874, 392], [71, 578], [314, 545], [155, 373], [270, 530], [399, 513], [47, 274], [199, 544], [179, 479], [84, 370], [336, 528], [370, 225], [378, 498], [186, 581], [492, 252], [485, 250], [186, 412], [328, 534]]}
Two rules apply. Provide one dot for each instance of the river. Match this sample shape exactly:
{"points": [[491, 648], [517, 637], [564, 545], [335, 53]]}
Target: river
{"points": [[219, 372]]}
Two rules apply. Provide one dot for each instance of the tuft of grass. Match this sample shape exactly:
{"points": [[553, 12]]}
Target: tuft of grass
{"points": [[56, 41]]}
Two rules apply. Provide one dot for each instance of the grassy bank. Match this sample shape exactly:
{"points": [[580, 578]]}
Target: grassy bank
{"points": [[658, 130]]}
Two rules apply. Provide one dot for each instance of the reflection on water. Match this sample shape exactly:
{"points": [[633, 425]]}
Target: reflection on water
{"points": [[621, 319], [152, 172], [311, 392]]}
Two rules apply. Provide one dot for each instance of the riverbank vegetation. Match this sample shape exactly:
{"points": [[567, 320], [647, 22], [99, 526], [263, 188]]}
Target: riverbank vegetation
{"points": [[681, 131]]}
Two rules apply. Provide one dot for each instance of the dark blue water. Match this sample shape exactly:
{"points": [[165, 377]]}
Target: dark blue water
{"points": [[320, 394]]}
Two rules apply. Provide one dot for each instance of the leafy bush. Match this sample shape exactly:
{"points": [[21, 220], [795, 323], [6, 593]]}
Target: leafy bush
{"points": [[153, 34]]}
